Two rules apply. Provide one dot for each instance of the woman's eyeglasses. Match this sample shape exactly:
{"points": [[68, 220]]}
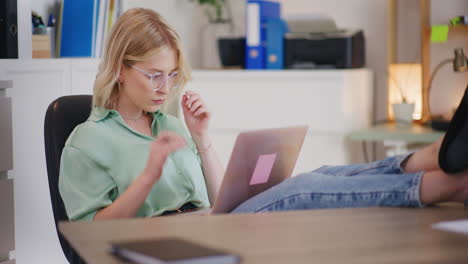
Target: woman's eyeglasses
{"points": [[157, 79]]}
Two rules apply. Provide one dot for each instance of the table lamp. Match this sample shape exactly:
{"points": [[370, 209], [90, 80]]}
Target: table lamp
{"points": [[460, 64], [404, 88]]}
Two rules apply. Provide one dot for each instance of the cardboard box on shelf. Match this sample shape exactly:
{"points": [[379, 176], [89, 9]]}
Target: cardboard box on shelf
{"points": [[41, 46]]}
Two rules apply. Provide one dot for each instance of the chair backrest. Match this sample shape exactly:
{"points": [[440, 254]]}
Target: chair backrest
{"points": [[62, 116]]}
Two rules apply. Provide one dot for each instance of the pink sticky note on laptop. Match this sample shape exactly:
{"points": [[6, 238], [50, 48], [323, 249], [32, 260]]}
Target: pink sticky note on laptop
{"points": [[263, 168]]}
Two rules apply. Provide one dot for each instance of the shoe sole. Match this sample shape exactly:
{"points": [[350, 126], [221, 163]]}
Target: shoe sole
{"points": [[456, 125]]}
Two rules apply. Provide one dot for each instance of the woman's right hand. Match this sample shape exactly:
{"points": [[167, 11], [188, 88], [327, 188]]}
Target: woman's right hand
{"points": [[130, 201], [166, 143]]}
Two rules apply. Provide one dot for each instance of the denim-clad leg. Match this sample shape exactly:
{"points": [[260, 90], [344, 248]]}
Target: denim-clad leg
{"points": [[380, 183], [391, 165]]}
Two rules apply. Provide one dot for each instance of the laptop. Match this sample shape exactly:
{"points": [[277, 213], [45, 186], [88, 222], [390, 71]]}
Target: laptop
{"points": [[260, 160]]}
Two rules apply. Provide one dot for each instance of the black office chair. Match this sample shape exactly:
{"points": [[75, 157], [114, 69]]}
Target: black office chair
{"points": [[62, 116]]}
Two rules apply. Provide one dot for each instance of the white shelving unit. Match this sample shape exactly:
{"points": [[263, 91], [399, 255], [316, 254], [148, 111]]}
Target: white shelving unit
{"points": [[179, 14], [7, 219]]}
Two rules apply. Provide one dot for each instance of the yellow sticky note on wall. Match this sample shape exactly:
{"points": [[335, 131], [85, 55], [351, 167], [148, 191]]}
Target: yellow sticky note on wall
{"points": [[439, 33]]}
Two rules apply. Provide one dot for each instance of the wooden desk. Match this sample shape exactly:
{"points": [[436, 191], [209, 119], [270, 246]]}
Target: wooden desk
{"points": [[366, 235], [392, 132], [396, 139]]}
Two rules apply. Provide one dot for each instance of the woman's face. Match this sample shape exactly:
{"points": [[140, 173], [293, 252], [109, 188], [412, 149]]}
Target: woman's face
{"points": [[147, 84]]}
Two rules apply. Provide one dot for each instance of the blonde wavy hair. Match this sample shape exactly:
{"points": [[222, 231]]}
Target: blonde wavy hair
{"points": [[136, 36]]}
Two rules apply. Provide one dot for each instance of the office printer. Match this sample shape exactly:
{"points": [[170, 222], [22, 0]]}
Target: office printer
{"points": [[317, 43]]}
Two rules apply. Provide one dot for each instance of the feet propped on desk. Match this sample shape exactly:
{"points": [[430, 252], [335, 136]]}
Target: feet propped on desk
{"points": [[454, 149]]}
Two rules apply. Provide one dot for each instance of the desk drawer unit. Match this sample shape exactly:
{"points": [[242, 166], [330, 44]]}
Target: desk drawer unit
{"points": [[7, 225], [6, 146]]}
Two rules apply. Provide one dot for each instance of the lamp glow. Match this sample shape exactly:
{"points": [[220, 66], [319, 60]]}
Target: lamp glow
{"points": [[405, 83]]}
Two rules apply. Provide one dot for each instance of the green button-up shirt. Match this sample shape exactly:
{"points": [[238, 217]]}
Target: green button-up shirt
{"points": [[103, 156]]}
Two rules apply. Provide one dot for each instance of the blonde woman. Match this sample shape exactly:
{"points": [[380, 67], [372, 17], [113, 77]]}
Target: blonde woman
{"points": [[131, 159], [112, 162]]}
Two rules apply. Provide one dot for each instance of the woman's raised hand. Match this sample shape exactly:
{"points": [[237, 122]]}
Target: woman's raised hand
{"points": [[166, 143], [196, 113]]}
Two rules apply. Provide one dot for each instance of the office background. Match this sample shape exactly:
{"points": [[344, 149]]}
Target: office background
{"points": [[369, 15]]}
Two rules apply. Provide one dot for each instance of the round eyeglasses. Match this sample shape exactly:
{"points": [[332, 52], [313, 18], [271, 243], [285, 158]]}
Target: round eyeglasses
{"points": [[158, 79]]}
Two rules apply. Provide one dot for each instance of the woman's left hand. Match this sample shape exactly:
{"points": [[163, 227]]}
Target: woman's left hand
{"points": [[196, 114]]}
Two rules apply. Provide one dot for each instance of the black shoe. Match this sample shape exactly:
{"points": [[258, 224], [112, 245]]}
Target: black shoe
{"points": [[453, 153]]}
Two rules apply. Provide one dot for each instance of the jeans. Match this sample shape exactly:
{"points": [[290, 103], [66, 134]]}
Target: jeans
{"points": [[380, 183]]}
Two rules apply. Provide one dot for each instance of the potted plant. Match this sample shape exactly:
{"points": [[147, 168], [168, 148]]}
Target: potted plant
{"points": [[214, 10], [403, 112]]}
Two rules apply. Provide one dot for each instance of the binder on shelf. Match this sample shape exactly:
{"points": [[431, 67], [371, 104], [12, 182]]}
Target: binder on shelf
{"points": [[112, 14], [275, 30], [109, 12], [108, 20], [78, 29], [258, 12], [101, 25], [58, 37]]}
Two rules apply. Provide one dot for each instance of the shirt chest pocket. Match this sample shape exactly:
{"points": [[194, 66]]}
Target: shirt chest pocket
{"points": [[129, 163]]}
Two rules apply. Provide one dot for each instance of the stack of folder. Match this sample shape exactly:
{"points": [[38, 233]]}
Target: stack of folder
{"points": [[85, 25], [265, 32]]}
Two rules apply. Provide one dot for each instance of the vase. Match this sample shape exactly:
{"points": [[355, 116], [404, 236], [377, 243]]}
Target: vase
{"points": [[403, 113]]}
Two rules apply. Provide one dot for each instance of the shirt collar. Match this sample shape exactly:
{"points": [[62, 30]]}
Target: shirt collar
{"points": [[99, 113]]}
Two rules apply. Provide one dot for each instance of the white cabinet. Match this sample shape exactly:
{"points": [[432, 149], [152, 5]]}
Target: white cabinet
{"points": [[331, 102], [36, 84], [7, 228], [83, 75]]}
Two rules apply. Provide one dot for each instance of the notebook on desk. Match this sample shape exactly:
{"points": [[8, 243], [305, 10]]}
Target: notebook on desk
{"points": [[170, 250], [259, 160]]}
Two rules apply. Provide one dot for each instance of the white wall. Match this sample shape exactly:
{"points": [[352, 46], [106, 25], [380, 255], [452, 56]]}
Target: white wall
{"points": [[179, 14], [44, 7]]}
